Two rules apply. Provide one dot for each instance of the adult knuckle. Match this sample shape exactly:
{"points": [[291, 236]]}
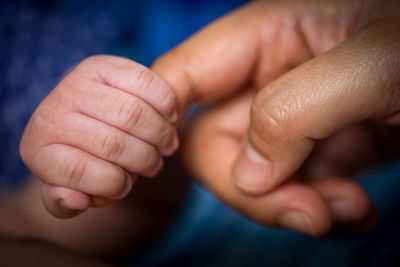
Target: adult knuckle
{"points": [[271, 119]]}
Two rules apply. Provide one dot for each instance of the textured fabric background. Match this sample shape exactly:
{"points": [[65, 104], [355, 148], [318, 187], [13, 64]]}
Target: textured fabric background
{"points": [[41, 40]]}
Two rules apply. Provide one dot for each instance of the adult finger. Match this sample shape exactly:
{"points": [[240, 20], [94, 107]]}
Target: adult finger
{"points": [[252, 45], [210, 151], [346, 199], [355, 81]]}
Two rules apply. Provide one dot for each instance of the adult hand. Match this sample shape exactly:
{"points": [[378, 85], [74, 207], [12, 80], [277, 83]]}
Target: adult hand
{"points": [[319, 66]]}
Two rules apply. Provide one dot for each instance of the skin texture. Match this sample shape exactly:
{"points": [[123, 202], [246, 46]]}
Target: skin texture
{"points": [[117, 230], [293, 83], [87, 151], [302, 92]]}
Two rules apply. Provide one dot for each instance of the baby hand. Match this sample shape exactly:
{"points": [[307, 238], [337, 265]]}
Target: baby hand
{"points": [[105, 122]]}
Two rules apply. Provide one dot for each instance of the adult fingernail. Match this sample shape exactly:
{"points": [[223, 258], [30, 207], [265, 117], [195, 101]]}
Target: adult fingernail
{"points": [[298, 221], [343, 209], [252, 171]]}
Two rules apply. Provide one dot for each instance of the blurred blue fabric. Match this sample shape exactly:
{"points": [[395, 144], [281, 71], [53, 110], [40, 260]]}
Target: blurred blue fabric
{"points": [[41, 40], [210, 234]]}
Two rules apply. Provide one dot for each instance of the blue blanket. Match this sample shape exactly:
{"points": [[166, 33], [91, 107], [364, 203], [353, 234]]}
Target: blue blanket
{"points": [[41, 40]]}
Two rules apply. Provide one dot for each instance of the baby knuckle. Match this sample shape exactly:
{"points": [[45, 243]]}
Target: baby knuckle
{"points": [[112, 147], [75, 85], [75, 170], [130, 114], [88, 62], [148, 160], [93, 60], [144, 78], [92, 65], [165, 134], [168, 101]]}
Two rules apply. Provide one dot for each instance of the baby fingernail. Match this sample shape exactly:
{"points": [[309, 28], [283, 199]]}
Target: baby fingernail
{"points": [[298, 221], [127, 188], [65, 208], [159, 166], [155, 171], [172, 146], [174, 117], [175, 143], [251, 171]]}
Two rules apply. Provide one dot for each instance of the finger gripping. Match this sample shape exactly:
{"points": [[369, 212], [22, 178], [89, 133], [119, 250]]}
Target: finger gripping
{"points": [[271, 119], [111, 147], [131, 114]]}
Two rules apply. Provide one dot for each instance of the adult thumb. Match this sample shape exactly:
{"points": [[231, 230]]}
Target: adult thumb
{"points": [[355, 81]]}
